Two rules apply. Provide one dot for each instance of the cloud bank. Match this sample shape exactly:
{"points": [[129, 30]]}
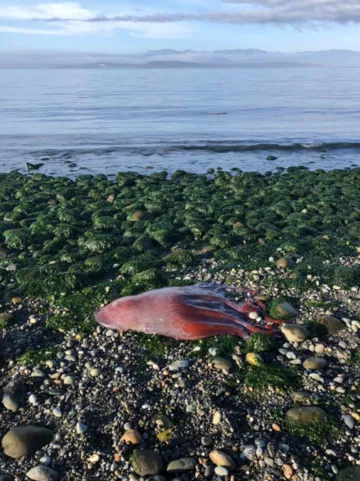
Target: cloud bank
{"points": [[71, 18]]}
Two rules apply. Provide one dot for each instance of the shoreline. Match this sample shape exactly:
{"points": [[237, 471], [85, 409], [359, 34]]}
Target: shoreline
{"points": [[68, 247]]}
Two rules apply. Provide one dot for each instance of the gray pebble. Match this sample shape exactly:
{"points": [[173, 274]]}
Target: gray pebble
{"points": [[42, 473]]}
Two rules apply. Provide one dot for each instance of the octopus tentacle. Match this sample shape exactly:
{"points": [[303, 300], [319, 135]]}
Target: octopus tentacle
{"points": [[214, 306]]}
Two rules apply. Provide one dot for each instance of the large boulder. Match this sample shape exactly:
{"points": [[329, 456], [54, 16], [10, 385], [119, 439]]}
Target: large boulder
{"points": [[25, 440], [147, 462], [306, 415]]}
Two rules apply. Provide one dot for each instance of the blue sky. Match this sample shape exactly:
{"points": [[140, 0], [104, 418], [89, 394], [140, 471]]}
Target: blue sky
{"points": [[121, 26]]}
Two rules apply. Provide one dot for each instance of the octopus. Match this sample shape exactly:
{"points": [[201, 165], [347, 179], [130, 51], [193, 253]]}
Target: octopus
{"points": [[185, 313]]}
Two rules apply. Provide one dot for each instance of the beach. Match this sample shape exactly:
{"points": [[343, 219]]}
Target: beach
{"points": [[129, 406]]}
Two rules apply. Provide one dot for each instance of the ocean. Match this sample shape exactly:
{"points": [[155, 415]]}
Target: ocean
{"points": [[91, 121]]}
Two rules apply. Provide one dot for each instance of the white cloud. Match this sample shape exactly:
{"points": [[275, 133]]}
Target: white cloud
{"points": [[32, 31], [44, 11], [70, 18]]}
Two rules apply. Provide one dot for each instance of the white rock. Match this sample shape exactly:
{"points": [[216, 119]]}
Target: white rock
{"points": [[179, 365], [42, 473], [216, 420], [349, 421], [68, 380], [33, 400], [220, 471], [57, 412], [81, 428], [37, 373]]}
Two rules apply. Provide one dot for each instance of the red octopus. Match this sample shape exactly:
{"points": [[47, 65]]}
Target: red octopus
{"points": [[184, 313]]}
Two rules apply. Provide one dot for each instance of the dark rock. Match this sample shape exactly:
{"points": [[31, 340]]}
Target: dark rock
{"points": [[14, 394], [147, 463], [351, 473], [25, 440], [332, 324]]}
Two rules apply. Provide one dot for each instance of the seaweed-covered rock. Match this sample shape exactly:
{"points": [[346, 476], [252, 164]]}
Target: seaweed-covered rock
{"points": [[306, 415], [17, 238], [147, 462]]}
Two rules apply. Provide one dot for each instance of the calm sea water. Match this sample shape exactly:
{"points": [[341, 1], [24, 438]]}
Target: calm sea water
{"points": [[90, 121]]}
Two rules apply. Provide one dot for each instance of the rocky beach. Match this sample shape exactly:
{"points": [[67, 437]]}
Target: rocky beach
{"points": [[80, 402]]}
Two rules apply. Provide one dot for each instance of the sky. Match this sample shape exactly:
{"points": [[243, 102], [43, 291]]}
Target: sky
{"points": [[129, 26]]}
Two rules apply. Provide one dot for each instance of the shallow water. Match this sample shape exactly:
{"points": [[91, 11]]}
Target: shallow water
{"points": [[89, 121]]}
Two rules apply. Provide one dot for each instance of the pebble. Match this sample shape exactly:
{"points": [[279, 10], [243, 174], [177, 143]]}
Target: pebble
{"points": [[221, 471], [132, 436], [68, 380], [349, 421], [181, 465], [221, 459], [221, 363], [37, 373], [287, 470], [332, 324], [285, 311], [94, 372], [42, 473], [179, 365], [254, 359], [216, 420], [94, 458], [315, 363], [249, 452], [57, 412], [294, 332], [81, 428], [14, 395]]}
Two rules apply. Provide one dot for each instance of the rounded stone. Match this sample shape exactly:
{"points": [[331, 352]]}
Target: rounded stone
{"points": [[6, 477], [315, 363], [42, 473], [285, 311], [221, 471], [306, 415], [181, 465], [254, 359], [141, 215], [294, 332], [351, 473], [332, 324], [147, 463], [221, 363], [284, 262], [14, 394], [81, 428], [221, 459], [132, 436], [25, 440]]}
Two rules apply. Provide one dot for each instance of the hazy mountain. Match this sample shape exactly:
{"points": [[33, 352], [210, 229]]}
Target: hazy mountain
{"points": [[181, 58]]}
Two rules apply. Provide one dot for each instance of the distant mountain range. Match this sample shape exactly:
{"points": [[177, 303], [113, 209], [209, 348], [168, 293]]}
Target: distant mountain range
{"points": [[169, 58]]}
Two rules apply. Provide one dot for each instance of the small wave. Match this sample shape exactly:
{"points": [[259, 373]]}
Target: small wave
{"points": [[204, 146]]}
